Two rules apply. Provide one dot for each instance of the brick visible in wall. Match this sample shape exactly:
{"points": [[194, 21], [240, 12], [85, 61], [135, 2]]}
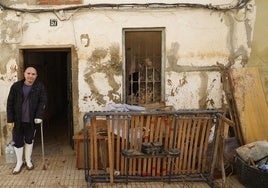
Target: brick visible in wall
{"points": [[59, 2]]}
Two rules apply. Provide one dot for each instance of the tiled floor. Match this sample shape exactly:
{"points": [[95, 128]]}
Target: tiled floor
{"points": [[61, 172]]}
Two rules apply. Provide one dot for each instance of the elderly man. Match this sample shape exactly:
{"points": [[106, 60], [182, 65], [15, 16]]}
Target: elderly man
{"points": [[25, 108]]}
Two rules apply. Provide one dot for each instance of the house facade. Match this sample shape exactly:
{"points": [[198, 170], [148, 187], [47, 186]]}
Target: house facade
{"points": [[92, 53]]}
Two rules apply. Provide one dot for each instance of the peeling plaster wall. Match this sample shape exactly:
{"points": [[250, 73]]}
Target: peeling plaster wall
{"points": [[195, 89], [197, 40]]}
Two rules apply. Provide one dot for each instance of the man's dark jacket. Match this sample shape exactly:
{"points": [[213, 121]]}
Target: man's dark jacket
{"points": [[37, 102]]}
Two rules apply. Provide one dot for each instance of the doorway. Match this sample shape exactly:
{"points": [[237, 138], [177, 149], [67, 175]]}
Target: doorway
{"points": [[54, 71]]}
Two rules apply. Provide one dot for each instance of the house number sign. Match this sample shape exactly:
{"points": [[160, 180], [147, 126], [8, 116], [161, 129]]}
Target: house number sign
{"points": [[53, 22]]}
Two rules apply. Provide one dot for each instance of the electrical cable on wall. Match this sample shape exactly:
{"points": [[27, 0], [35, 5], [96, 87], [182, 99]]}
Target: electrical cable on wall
{"points": [[240, 4]]}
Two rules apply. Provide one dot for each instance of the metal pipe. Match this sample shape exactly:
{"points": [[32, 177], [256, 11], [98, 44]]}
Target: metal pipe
{"points": [[156, 112], [43, 149]]}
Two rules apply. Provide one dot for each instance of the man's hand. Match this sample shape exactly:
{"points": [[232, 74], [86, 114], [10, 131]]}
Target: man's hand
{"points": [[10, 126], [37, 121]]}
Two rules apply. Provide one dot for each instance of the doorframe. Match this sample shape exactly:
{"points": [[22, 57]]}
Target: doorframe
{"points": [[72, 80], [163, 57]]}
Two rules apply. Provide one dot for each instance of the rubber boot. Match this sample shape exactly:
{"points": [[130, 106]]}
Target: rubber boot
{"points": [[19, 165], [28, 154]]}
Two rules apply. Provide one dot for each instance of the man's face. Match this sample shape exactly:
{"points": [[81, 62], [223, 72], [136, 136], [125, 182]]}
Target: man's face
{"points": [[30, 75]]}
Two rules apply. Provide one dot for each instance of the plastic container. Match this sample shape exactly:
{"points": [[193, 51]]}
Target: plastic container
{"points": [[250, 177], [10, 153]]}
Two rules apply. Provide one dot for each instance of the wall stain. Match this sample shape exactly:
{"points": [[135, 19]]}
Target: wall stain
{"points": [[235, 52], [249, 31], [11, 32], [169, 82], [172, 93], [172, 57], [10, 77], [111, 68], [203, 90], [207, 55], [210, 102], [183, 81]]}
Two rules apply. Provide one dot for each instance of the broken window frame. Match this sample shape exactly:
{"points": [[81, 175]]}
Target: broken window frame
{"points": [[155, 81]]}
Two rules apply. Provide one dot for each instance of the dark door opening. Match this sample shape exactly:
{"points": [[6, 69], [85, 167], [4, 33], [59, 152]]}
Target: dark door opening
{"points": [[53, 67]]}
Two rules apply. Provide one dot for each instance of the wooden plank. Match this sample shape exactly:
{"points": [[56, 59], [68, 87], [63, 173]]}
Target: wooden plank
{"points": [[162, 131], [156, 139], [118, 123], [232, 106], [251, 103], [195, 149], [167, 129], [140, 127], [123, 146], [131, 142], [181, 146], [221, 147], [171, 120], [183, 149], [146, 139], [135, 142], [91, 147], [205, 148], [191, 146], [176, 160], [95, 151], [110, 128], [179, 140], [151, 139], [217, 140], [187, 138], [201, 146]]}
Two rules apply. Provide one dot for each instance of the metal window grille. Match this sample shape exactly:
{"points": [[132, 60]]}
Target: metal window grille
{"points": [[144, 84]]}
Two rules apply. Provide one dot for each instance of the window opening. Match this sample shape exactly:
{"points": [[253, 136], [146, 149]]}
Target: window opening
{"points": [[143, 67]]}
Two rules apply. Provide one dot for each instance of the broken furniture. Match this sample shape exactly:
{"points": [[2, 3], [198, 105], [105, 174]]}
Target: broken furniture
{"points": [[101, 132], [194, 133]]}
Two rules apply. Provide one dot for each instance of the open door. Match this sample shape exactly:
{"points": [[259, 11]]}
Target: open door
{"points": [[54, 67]]}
